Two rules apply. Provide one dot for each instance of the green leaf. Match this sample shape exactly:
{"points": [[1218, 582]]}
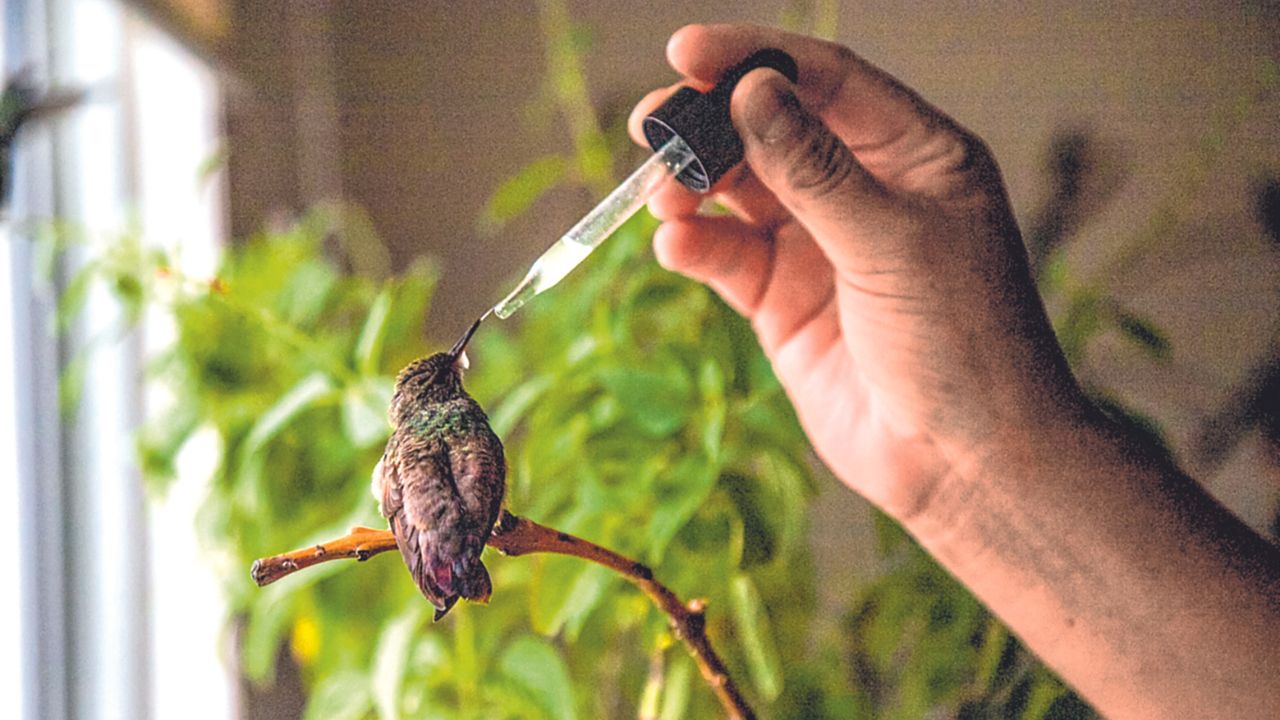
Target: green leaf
{"points": [[210, 165], [759, 536], [310, 391], [534, 666], [994, 640], [550, 602], [711, 387], [1055, 273], [340, 696], [517, 403], [130, 293], [364, 411], [390, 659], [1044, 691], [160, 440], [402, 337], [251, 494], [74, 296], [890, 537], [594, 161], [71, 382], [659, 400], [684, 490], [431, 656], [757, 638], [306, 292], [516, 194], [268, 619], [1078, 324], [586, 592], [675, 692], [368, 350]]}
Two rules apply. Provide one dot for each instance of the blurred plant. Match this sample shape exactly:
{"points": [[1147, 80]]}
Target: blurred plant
{"points": [[638, 412], [818, 18], [639, 415], [1090, 309], [1084, 176], [1256, 402]]}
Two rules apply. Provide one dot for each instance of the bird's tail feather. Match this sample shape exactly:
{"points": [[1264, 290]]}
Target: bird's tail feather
{"points": [[442, 611], [473, 581], [446, 579]]}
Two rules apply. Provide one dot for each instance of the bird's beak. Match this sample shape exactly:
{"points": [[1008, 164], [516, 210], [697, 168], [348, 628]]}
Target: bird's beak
{"points": [[458, 352]]}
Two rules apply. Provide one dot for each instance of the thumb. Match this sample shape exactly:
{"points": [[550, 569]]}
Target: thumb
{"points": [[810, 170]]}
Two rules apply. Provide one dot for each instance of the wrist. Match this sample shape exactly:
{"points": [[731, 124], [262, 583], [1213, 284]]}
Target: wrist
{"points": [[1032, 456], [1099, 554]]}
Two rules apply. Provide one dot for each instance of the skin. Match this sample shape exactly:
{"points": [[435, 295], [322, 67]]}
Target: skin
{"points": [[873, 248]]}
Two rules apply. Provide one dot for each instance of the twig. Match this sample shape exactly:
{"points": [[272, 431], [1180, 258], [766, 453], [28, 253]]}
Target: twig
{"points": [[514, 536], [361, 543], [518, 536]]}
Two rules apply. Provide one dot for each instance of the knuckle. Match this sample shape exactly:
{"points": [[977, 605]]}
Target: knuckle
{"points": [[953, 160], [978, 162], [968, 153], [821, 163]]}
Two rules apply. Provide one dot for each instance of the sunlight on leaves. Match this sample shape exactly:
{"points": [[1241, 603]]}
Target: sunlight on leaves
{"points": [[757, 638], [535, 667], [391, 657]]}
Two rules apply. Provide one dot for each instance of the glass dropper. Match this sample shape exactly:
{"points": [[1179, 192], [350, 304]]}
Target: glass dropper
{"points": [[574, 246], [693, 140]]}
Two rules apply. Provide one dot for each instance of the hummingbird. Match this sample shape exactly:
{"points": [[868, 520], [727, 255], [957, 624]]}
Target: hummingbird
{"points": [[441, 480]]}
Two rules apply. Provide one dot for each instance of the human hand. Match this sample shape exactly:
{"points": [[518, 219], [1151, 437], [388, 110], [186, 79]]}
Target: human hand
{"points": [[873, 249]]}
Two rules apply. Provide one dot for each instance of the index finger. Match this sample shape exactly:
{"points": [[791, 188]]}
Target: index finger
{"points": [[862, 104]]}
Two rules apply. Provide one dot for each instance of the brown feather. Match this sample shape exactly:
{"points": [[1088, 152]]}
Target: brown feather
{"points": [[440, 485]]}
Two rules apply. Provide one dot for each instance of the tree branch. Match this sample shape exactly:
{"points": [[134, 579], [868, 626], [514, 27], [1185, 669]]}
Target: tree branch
{"points": [[361, 543], [516, 536]]}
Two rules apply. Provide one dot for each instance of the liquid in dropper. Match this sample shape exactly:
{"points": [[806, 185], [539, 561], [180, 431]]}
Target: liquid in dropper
{"points": [[547, 270], [574, 246]]}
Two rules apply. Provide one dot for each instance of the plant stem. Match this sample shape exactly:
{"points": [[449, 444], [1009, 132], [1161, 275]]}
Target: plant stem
{"points": [[514, 536], [568, 83], [361, 543]]}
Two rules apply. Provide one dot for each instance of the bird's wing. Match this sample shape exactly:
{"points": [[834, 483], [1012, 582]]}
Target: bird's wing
{"points": [[428, 491], [421, 503], [479, 470]]}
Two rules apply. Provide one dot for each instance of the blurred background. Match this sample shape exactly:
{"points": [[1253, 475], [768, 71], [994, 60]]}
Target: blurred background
{"points": [[227, 223]]}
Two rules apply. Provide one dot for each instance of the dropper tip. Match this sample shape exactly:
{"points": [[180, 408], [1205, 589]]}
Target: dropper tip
{"points": [[518, 297]]}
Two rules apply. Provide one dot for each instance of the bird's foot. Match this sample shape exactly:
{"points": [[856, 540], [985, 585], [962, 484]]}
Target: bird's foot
{"points": [[364, 551]]}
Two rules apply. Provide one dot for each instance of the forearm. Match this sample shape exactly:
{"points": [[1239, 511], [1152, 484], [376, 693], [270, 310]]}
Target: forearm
{"points": [[878, 260], [1146, 595]]}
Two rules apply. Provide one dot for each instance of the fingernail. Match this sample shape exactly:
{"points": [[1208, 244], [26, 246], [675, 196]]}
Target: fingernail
{"points": [[772, 111]]}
